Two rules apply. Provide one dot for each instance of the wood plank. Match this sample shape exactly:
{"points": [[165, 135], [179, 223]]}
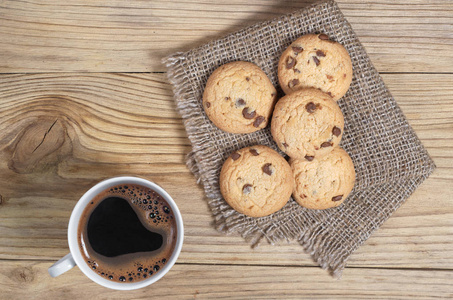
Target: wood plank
{"points": [[133, 36], [25, 279], [111, 124]]}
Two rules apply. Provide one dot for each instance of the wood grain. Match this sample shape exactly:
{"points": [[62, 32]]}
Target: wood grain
{"points": [[23, 280], [133, 36], [61, 133]]}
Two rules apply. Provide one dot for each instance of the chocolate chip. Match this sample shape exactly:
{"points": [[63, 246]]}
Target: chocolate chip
{"points": [[258, 121], [247, 78], [267, 169], [296, 71], [208, 105], [309, 158], [246, 189], [297, 49], [316, 60], [310, 107], [248, 113], [320, 53], [235, 155], [227, 98], [254, 152], [330, 94], [285, 145], [336, 131], [240, 102], [344, 75], [330, 77], [337, 198], [323, 36], [290, 62], [293, 83], [326, 144]]}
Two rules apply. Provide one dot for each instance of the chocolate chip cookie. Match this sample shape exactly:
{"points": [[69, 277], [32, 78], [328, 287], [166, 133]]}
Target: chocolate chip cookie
{"points": [[256, 181], [239, 97], [323, 182], [314, 60], [307, 124]]}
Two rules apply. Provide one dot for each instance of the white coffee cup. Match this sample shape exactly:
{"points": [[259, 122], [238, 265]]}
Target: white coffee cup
{"points": [[75, 256]]}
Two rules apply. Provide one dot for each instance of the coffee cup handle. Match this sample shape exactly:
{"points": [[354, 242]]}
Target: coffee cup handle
{"points": [[61, 266]]}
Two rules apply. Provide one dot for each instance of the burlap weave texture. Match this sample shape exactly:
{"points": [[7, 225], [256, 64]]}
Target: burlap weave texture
{"points": [[389, 159]]}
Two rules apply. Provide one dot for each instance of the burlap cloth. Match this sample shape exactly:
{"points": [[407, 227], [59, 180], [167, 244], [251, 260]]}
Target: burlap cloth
{"points": [[388, 157]]}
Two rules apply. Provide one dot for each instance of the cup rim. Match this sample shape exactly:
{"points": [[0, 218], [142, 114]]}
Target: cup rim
{"points": [[74, 224]]}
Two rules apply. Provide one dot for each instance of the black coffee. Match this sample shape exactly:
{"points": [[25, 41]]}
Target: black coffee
{"points": [[127, 233]]}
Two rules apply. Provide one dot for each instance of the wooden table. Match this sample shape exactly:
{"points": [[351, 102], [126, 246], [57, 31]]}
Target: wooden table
{"points": [[84, 96]]}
